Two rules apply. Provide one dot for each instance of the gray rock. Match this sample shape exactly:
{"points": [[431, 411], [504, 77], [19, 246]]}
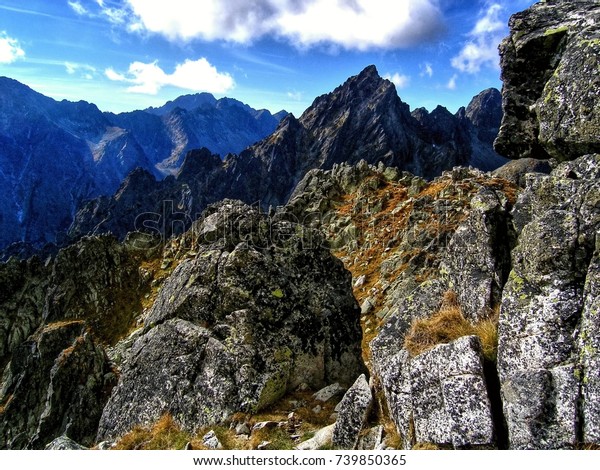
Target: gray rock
{"points": [[354, 410], [329, 392], [477, 258], [211, 441], [550, 109], [242, 428], [516, 170], [449, 395], [546, 332], [64, 443], [322, 438], [253, 315], [56, 384]]}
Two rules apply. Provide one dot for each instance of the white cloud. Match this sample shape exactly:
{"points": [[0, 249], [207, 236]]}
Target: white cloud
{"points": [[86, 71], [194, 75], [295, 95], [351, 24], [401, 81], [10, 49], [481, 50], [451, 85], [78, 7], [426, 70]]}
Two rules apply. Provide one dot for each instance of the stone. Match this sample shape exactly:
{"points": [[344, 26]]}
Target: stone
{"points": [[550, 110], [211, 441], [354, 410], [242, 428], [477, 259], [329, 392], [64, 443], [56, 384], [322, 438], [449, 396], [372, 439]]}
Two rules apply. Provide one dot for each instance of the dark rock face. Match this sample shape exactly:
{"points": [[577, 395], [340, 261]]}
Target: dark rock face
{"points": [[260, 308], [56, 384], [550, 69], [47, 146]]}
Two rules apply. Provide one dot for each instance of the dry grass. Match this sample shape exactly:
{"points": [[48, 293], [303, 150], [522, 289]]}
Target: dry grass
{"points": [[449, 324], [164, 434], [425, 446]]}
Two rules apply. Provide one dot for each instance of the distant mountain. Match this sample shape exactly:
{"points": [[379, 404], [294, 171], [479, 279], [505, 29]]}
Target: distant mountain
{"points": [[54, 155], [363, 119]]}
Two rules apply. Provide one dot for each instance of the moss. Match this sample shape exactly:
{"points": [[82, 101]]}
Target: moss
{"points": [[273, 389], [278, 293], [553, 31]]}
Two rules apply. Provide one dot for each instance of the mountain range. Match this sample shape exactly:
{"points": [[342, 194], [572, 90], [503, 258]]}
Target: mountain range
{"points": [[118, 163], [54, 155]]}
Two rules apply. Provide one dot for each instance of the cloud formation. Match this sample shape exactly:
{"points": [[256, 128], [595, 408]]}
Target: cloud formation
{"points": [[351, 24], [193, 75], [481, 50], [401, 81], [10, 49]]}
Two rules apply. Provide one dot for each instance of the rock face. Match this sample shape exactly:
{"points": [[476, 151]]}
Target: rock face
{"points": [[362, 119], [56, 384], [46, 146], [450, 405], [261, 308], [547, 328], [551, 82]]}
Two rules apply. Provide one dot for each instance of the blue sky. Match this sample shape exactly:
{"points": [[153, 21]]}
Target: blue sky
{"points": [[276, 54]]}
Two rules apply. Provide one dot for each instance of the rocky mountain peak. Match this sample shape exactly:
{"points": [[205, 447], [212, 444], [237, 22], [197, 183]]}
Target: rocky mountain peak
{"points": [[485, 114]]}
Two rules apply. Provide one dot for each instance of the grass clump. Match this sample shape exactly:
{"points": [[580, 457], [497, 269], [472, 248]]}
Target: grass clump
{"points": [[164, 434], [449, 324]]}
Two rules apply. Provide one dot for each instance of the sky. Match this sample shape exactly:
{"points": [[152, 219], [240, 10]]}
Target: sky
{"points": [[276, 54]]}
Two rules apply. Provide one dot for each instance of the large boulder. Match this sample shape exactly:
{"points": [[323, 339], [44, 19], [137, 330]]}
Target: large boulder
{"points": [[261, 308], [552, 108], [547, 332]]}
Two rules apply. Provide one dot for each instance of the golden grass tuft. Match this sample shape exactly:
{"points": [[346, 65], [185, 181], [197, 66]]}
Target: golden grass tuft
{"points": [[425, 446], [164, 434], [449, 324]]}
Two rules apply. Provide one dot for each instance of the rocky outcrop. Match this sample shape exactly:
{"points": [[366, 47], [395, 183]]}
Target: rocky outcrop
{"points": [[551, 82], [64, 443], [450, 405], [260, 308], [546, 333], [56, 383]]}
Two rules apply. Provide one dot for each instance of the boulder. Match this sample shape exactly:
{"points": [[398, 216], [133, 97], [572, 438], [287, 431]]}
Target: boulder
{"points": [[322, 438], [261, 308], [64, 443], [449, 396], [354, 410], [547, 328], [551, 109]]}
